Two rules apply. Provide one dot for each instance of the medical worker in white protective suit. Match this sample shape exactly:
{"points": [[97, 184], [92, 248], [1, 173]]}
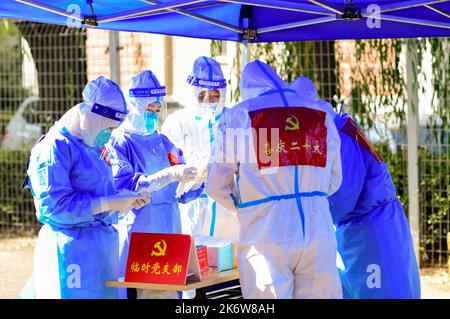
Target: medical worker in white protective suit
{"points": [[276, 162], [192, 129], [75, 198], [146, 161]]}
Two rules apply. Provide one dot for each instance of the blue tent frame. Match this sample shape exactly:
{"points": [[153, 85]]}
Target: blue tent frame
{"points": [[246, 20]]}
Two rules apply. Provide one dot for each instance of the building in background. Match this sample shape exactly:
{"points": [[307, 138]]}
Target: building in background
{"points": [[170, 58]]}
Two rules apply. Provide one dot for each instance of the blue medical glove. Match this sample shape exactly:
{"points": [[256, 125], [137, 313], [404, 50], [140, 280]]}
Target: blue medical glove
{"points": [[192, 194]]}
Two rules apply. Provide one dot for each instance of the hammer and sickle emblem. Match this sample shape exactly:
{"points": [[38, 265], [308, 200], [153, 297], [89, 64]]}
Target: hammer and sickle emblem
{"points": [[160, 251], [292, 123]]}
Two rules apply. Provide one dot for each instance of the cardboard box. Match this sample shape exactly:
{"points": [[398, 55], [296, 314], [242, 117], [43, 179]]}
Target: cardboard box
{"points": [[221, 257]]}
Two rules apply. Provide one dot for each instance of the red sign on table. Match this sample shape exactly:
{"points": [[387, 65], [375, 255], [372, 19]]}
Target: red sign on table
{"points": [[301, 136], [160, 258], [202, 254]]}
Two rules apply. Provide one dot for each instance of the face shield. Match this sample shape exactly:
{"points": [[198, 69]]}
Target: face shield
{"points": [[97, 122], [208, 97], [103, 110], [208, 88], [146, 103]]}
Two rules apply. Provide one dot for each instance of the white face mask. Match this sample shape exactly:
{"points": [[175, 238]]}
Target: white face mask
{"points": [[205, 111], [209, 106]]}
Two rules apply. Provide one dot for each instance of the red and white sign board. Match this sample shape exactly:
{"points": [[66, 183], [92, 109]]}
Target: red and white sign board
{"points": [[301, 136], [161, 259]]}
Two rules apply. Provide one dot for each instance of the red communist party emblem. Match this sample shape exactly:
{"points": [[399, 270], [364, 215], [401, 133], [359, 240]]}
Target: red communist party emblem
{"points": [[289, 136]]}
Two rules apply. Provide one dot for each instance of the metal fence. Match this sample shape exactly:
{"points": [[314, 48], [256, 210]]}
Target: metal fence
{"points": [[434, 169], [43, 70]]}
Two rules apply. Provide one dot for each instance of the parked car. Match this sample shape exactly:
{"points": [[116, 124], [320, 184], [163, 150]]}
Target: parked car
{"points": [[21, 132]]}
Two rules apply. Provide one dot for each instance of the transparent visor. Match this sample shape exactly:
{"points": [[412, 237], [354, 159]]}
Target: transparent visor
{"points": [[93, 122], [149, 100], [212, 100], [142, 104], [138, 109], [158, 106]]}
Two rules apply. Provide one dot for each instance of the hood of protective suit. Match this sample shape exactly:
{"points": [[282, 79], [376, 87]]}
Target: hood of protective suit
{"points": [[143, 90], [103, 107], [105, 92], [207, 75], [258, 78], [305, 87]]}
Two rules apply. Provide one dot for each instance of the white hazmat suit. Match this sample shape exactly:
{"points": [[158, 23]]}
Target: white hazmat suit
{"points": [[192, 130], [287, 244]]}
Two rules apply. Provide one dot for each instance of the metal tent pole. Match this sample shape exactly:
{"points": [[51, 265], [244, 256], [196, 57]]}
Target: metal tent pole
{"points": [[413, 144], [199, 17], [114, 56], [244, 46], [131, 14], [395, 6]]}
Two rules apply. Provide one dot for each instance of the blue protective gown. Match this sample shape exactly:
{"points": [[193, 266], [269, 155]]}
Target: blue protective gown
{"points": [[132, 156], [373, 235], [65, 175]]}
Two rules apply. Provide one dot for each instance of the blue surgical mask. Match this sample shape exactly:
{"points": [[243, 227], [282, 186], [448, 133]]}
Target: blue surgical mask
{"points": [[151, 121], [102, 137]]}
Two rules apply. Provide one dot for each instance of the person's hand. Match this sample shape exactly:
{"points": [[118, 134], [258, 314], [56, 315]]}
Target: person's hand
{"points": [[183, 173], [156, 181], [189, 193], [146, 185], [116, 203], [141, 202], [202, 175]]}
